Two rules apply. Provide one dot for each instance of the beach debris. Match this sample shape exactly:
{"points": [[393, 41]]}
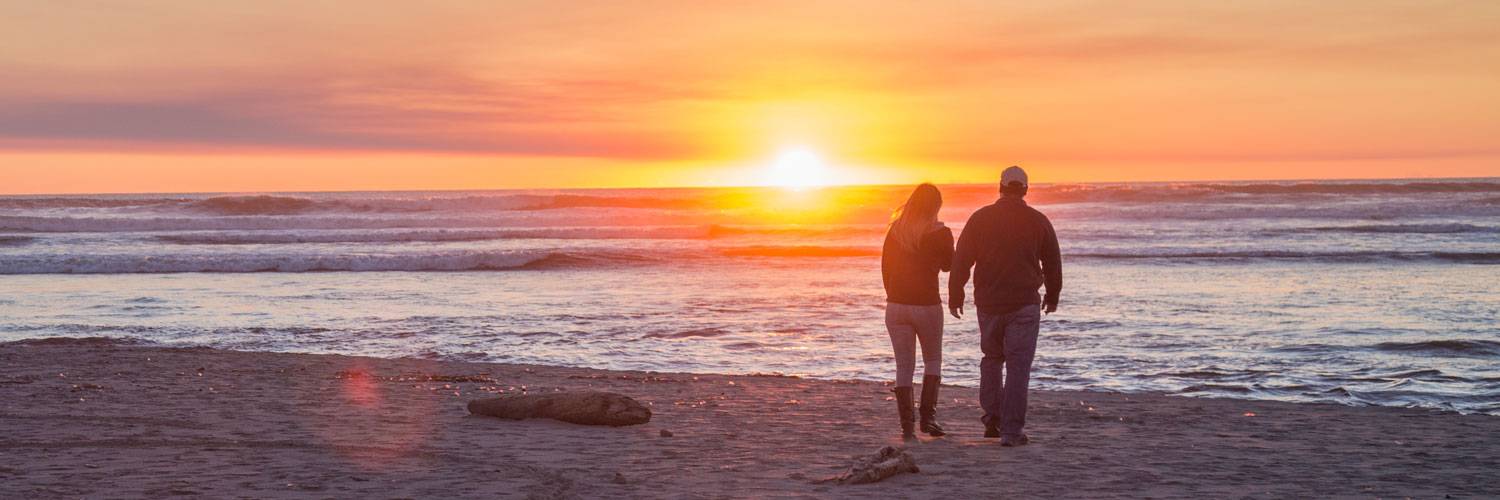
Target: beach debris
{"points": [[887, 462], [619, 479], [666, 433], [583, 407]]}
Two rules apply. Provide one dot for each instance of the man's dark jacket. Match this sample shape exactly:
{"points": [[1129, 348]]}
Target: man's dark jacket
{"points": [[1013, 251]]}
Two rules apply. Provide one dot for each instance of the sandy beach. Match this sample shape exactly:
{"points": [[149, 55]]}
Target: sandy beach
{"points": [[92, 418]]}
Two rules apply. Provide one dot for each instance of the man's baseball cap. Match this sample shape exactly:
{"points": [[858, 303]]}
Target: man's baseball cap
{"points": [[1013, 175]]}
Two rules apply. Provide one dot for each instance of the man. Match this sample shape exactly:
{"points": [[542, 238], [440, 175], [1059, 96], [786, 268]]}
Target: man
{"points": [[1013, 251]]}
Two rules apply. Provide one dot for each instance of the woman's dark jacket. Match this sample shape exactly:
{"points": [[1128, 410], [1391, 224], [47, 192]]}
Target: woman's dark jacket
{"points": [[911, 277]]}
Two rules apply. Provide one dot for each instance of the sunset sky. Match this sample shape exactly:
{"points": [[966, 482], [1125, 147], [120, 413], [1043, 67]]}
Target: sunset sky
{"points": [[269, 95]]}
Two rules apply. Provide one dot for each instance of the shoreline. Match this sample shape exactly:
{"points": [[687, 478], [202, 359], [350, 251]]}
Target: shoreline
{"points": [[101, 417], [147, 343]]}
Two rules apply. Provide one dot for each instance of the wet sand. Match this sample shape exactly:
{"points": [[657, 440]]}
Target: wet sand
{"points": [[95, 419]]}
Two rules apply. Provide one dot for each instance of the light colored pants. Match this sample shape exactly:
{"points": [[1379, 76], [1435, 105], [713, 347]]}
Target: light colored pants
{"points": [[909, 325]]}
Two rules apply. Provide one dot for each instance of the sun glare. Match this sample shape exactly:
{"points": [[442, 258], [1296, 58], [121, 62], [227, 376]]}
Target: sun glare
{"points": [[798, 168]]}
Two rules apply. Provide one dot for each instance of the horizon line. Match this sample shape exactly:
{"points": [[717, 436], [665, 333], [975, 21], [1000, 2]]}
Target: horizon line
{"points": [[761, 186]]}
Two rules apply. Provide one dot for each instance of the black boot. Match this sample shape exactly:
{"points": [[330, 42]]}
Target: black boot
{"points": [[903, 408], [930, 386]]}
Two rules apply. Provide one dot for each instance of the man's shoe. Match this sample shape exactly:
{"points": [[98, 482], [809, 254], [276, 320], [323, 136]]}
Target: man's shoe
{"points": [[1021, 440], [991, 430]]}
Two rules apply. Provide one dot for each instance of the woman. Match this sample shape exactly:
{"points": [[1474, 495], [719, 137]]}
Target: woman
{"points": [[917, 247]]}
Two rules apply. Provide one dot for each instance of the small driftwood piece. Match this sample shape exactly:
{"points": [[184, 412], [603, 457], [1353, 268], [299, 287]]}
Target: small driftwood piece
{"points": [[585, 408], [885, 463]]}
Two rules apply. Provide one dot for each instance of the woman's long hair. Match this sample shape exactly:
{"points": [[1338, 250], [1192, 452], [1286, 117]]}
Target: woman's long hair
{"points": [[918, 216]]}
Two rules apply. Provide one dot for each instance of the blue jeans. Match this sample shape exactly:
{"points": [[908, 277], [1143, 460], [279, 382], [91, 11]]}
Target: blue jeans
{"points": [[1009, 345]]}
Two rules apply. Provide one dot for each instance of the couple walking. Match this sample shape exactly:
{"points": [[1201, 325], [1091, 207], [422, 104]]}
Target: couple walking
{"points": [[1013, 252]]}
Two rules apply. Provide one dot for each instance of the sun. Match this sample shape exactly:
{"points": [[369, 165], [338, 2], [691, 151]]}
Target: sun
{"points": [[798, 168]]}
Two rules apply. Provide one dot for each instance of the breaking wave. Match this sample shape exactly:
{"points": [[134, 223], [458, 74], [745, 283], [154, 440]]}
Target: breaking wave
{"points": [[1394, 229], [84, 201], [254, 205], [15, 241], [217, 263], [1332, 257], [801, 251], [695, 333], [434, 235], [451, 227], [437, 260], [43, 224], [1176, 192], [692, 199], [80, 341], [1444, 347], [249, 205], [285, 205], [480, 234]]}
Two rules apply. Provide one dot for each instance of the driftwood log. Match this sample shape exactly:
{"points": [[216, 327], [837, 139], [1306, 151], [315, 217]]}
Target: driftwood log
{"points": [[586, 408], [885, 463]]}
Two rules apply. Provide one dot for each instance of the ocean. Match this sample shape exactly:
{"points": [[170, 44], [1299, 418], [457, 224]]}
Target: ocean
{"points": [[1354, 292]]}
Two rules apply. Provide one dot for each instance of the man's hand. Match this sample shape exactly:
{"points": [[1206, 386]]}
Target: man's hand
{"points": [[1050, 308], [957, 311]]}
